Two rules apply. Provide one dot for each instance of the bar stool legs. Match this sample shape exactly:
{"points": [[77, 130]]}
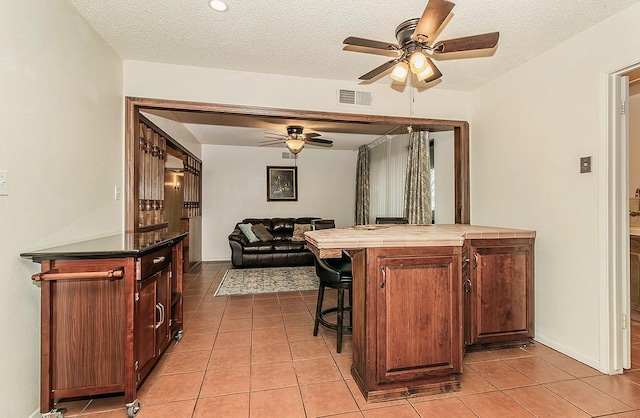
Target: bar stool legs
{"points": [[339, 326]]}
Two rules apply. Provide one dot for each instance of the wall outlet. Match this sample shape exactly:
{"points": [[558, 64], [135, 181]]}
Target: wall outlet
{"points": [[116, 193], [4, 183]]}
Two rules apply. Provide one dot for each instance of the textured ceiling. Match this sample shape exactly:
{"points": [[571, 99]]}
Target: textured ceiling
{"points": [[304, 37]]}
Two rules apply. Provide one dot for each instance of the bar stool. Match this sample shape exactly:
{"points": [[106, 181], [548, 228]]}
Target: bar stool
{"points": [[334, 274]]}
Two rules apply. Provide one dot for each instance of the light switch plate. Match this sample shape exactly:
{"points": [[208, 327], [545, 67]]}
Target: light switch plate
{"points": [[4, 183], [585, 164]]}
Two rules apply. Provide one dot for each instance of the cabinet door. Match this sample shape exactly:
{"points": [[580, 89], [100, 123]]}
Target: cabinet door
{"points": [[418, 308], [502, 286], [145, 325]]}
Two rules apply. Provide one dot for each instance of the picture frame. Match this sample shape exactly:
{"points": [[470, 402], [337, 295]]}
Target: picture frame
{"points": [[282, 184]]}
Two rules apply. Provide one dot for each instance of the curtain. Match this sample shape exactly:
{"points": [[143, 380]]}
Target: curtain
{"points": [[417, 204], [362, 186], [388, 160]]}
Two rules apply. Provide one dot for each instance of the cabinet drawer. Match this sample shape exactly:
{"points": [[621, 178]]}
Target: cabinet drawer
{"points": [[154, 262]]}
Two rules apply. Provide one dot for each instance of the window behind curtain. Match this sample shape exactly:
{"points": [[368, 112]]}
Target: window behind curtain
{"points": [[388, 169]]}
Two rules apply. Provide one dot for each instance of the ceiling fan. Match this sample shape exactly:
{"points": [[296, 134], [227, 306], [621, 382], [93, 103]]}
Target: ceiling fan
{"points": [[416, 45], [295, 140]]}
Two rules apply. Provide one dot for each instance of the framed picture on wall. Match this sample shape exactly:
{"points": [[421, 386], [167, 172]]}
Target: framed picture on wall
{"points": [[282, 183]]}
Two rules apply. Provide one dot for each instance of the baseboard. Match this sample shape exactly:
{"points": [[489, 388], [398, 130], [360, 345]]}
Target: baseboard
{"points": [[569, 352], [36, 414], [215, 259]]}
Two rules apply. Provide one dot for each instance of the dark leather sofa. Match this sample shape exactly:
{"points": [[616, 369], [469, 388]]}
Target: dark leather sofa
{"points": [[281, 251]]}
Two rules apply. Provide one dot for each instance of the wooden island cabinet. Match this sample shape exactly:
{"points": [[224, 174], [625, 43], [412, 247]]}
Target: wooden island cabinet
{"points": [[109, 308], [422, 294], [501, 295]]}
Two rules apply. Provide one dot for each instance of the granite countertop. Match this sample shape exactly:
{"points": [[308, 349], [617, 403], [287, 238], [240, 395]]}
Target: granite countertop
{"points": [[368, 236], [115, 246]]}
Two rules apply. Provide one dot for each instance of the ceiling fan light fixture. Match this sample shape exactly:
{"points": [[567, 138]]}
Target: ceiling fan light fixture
{"points": [[426, 73], [400, 72], [418, 62], [294, 145], [218, 5]]}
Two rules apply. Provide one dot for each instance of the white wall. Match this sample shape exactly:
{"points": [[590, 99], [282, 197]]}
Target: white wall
{"points": [[528, 130], [61, 114], [235, 182], [164, 81]]}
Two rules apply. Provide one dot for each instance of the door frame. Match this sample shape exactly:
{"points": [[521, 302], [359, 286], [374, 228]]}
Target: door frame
{"points": [[615, 337]]}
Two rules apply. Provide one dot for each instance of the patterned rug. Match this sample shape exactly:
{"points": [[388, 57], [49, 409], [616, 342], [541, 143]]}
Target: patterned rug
{"points": [[268, 280]]}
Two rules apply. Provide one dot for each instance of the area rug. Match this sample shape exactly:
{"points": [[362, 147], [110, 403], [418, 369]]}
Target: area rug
{"points": [[268, 280]]}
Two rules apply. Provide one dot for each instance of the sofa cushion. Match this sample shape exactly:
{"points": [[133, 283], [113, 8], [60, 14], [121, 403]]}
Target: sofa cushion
{"points": [[288, 246], [282, 224], [255, 221], [279, 236], [258, 247], [261, 232], [246, 230], [299, 230]]}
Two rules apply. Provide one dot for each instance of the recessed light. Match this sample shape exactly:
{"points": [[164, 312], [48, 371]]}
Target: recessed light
{"points": [[218, 5]]}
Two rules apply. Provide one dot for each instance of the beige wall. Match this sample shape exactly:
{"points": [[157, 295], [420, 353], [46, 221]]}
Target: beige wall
{"points": [[62, 143], [529, 129]]}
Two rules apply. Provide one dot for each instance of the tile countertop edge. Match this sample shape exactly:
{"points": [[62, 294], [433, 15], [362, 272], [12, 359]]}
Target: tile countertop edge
{"points": [[370, 236]]}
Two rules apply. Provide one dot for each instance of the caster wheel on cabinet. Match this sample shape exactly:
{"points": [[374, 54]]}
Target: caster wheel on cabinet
{"points": [[178, 336], [133, 408]]}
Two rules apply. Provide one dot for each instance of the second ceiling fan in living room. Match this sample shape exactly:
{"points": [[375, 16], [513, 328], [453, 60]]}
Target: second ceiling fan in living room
{"points": [[416, 46], [295, 139]]}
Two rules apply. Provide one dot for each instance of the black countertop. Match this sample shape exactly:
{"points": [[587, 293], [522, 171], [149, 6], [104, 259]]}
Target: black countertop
{"points": [[116, 246]]}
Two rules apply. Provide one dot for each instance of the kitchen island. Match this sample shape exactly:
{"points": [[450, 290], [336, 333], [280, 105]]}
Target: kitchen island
{"points": [[422, 294]]}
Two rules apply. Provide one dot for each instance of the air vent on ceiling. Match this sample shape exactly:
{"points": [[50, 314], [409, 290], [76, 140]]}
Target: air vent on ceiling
{"points": [[354, 97], [288, 155]]}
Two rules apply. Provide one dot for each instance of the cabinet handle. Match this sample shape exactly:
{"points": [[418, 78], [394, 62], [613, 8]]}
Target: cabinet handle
{"points": [[160, 309], [467, 285], [158, 260], [475, 257], [465, 259], [54, 274], [384, 277]]}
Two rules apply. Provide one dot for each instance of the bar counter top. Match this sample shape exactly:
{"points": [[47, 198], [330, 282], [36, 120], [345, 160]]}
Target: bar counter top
{"points": [[328, 243]]}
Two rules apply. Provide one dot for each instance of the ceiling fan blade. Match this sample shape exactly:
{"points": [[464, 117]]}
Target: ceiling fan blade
{"points": [[368, 43], [378, 70], [392, 53], [436, 72], [311, 135], [468, 43], [275, 136], [318, 141], [432, 18], [272, 141]]}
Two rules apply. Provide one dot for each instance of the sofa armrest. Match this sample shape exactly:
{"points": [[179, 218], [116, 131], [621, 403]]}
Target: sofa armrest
{"points": [[236, 253], [239, 237]]}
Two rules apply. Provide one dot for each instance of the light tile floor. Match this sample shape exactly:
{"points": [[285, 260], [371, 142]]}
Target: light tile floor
{"points": [[256, 356]]}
